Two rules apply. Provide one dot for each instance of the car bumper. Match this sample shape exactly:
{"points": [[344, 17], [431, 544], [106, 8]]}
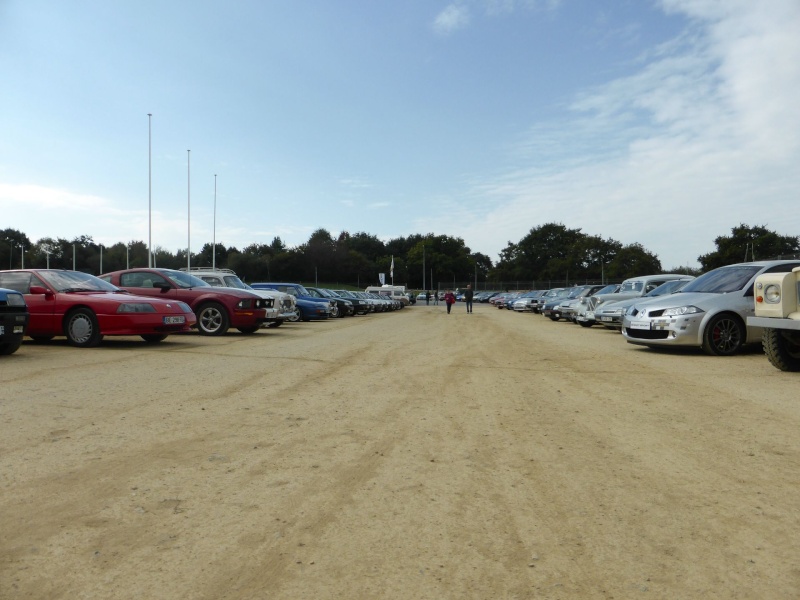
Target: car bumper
{"points": [[612, 320], [12, 327], [663, 331]]}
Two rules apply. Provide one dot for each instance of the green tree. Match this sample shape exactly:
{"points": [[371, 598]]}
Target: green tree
{"points": [[748, 243]]}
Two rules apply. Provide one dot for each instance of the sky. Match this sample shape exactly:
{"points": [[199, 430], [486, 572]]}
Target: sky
{"points": [[659, 122]]}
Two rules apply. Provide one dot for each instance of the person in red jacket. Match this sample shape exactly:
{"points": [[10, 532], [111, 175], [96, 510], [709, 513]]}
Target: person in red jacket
{"points": [[449, 300]]}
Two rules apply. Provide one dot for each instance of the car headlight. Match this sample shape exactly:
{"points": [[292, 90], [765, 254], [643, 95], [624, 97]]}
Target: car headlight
{"points": [[135, 307], [682, 310], [772, 294], [15, 300]]}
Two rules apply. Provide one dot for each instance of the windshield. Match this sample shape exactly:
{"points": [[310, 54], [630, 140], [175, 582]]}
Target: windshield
{"points": [[670, 287], [184, 280], [609, 289], [631, 286], [234, 282], [723, 280], [75, 281]]}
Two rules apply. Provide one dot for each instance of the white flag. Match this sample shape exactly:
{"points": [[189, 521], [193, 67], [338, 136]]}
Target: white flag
{"points": [[391, 269]]}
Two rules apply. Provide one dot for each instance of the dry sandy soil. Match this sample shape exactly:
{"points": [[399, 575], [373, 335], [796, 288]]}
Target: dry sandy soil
{"points": [[410, 455]]}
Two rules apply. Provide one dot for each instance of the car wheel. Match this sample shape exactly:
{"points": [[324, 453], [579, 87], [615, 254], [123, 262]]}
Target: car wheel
{"points": [[82, 329], [298, 314], [42, 338], [554, 317], [6, 349], [275, 324], [154, 338], [585, 323], [782, 348], [335, 311], [248, 330], [723, 336], [212, 319]]}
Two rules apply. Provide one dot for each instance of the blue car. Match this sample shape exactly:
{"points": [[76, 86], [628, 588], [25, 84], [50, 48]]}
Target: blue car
{"points": [[308, 307], [13, 320]]}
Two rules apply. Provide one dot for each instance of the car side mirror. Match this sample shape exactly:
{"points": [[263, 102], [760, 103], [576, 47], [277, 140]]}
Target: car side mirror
{"points": [[163, 286], [37, 289]]}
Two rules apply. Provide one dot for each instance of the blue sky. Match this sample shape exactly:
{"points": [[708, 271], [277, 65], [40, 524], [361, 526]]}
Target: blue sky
{"points": [[662, 122]]}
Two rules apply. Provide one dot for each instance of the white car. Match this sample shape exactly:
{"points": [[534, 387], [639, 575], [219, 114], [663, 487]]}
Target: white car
{"points": [[283, 304]]}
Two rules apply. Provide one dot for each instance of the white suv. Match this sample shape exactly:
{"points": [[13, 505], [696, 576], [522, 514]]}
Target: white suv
{"points": [[283, 307]]}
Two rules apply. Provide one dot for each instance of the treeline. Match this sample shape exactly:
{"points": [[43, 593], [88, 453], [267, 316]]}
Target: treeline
{"points": [[548, 252]]}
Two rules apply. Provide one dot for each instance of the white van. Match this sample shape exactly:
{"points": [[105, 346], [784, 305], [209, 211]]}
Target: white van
{"points": [[395, 292]]}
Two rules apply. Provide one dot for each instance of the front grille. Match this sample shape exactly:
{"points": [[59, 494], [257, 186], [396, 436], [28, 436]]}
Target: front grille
{"points": [[647, 334]]}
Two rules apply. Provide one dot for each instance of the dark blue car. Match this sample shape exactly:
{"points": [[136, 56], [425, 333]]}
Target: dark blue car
{"points": [[308, 307], [13, 320]]}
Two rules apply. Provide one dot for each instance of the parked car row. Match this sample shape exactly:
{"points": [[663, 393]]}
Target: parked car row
{"points": [[153, 303], [714, 312]]}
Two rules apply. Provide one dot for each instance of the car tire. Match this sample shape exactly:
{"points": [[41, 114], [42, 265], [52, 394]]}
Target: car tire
{"points": [[298, 315], [724, 335], [247, 330], [154, 338], [585, 323], [274, 324], [782, 348], [554, 317], [10, 348], [335, 311], [42, 338], [212, 319], [82, 329]]}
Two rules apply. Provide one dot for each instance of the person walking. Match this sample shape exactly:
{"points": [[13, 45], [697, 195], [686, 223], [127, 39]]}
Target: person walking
{"points": [[428, 297], [449, 300], [436, 298], [468, 298]]}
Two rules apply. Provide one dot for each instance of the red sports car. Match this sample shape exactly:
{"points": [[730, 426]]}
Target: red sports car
{"points": [[84, 308], [217, 308]]}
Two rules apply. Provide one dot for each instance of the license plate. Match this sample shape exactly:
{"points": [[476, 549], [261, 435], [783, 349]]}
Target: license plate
{"points": [[640, 324], [606, 319], [174, 320]]}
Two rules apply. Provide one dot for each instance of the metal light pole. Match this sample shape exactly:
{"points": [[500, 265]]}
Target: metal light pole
{"points": [[73, 257], [189, 210], [101, 259], [214, 239], [127, 256], [149, 192], [22, 246], [48, 258]]}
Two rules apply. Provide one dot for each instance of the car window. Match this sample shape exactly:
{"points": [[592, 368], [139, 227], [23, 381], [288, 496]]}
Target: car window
{"points": [[722, 280], [184, 280], [234, 282], [19, 282], [212, 280], [76, 281], [631, 286]]}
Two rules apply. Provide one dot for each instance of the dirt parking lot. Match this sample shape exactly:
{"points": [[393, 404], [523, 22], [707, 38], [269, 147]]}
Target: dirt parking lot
{"points": [[411, 455]]}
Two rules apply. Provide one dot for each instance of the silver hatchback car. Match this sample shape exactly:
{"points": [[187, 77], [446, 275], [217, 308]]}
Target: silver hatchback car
{"points": [[710, 312]]}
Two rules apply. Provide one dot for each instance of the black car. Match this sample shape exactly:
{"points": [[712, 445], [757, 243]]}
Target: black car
{"points": [[361, 305], [344, 306], [13, 320]]}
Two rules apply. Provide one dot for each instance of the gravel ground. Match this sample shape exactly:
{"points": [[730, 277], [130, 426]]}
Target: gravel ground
{"points": [[408, 455]]}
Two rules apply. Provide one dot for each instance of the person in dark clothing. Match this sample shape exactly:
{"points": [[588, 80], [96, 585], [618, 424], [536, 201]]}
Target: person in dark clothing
{"points": [[468, 298]]}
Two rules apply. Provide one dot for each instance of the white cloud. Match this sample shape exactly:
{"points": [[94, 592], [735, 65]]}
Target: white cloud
{"points": [[452, 18], [704, 137]]}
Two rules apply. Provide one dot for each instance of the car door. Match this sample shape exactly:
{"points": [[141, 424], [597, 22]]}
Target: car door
{"points": [[42, 307], [149, 283]]}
